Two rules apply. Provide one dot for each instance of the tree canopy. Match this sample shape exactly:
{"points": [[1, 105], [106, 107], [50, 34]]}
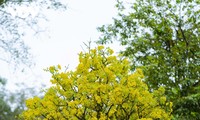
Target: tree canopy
{"points": [[16, 23], [101, 87], [162, 37]]}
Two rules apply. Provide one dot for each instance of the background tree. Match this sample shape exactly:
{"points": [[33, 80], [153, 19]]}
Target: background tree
{"points": [[101, 87], [163, 38], [5, 109], [15, 23], [12, 103]]}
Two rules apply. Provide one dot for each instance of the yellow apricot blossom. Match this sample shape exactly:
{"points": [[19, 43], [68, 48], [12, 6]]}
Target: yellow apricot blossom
{"points": [[101, 88]]}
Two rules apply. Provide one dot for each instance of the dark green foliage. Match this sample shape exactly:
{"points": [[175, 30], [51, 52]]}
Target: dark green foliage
{"points": [[1, 2], [163, 38]]}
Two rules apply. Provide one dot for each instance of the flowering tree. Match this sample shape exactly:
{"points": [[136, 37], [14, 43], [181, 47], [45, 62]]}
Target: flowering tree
{"points": [[101, 87]]}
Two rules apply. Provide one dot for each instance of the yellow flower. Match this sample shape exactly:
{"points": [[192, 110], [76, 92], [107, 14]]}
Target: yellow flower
{"points": [[162, 100], [100, 47], [59, 67], [98, 99], [110, 51], [52, 69]]}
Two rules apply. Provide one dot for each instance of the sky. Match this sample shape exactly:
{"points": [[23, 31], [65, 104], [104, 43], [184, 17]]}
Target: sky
{"points": [[67, 30]]}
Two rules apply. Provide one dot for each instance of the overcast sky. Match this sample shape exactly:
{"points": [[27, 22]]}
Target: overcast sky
{"points": [[67, 32]]}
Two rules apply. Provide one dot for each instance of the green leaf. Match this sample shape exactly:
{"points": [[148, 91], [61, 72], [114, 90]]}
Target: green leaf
{"points": [[175, 91]]}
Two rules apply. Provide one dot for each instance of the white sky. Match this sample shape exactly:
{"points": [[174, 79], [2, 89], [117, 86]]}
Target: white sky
{"points": [[68, 30]]}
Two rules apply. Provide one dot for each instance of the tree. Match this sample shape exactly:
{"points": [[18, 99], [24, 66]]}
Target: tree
{"points": [[12, 103], [6, 112], [4, 107], [15, 23], [163, 38], [101, 87], [13, 48]]}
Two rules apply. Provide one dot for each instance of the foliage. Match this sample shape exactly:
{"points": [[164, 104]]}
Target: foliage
{"points": [[16, 23], [163, 38], [7, 111], [4, 107], [101, 87]]}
